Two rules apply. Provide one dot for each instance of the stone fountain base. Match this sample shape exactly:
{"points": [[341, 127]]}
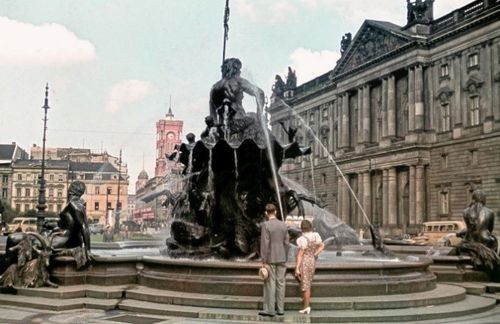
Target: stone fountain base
{"points": [[380, 291]]}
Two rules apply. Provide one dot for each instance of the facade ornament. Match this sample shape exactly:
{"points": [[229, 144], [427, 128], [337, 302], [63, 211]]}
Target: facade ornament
{"points": [[473, 84], [278, 87], [444, 94], [419, 12], [345, 42], [291, 79]]}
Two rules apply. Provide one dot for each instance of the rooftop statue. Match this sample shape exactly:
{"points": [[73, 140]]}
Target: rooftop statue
{"points": [[278, 86], [291, 79]]}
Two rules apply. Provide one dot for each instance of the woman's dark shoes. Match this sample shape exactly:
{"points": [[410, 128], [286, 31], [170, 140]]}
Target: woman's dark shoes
{"points": [[266, 314]]}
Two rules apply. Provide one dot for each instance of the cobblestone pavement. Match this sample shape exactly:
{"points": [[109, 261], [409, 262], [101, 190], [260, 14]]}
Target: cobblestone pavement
{"points": [[18, 315]]}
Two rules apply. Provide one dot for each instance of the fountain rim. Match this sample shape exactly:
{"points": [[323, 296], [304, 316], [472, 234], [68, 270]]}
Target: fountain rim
{"points": [[214, 263]]}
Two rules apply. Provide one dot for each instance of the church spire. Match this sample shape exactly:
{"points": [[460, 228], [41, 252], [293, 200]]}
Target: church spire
{"points": [[170, 115]]}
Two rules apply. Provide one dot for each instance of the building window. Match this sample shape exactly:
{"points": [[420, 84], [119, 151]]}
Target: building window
{"points": [[474, 110], [311, 119], [18, 207], [51, 192], [96, 205], [109, 206], [109, 191], [59, 208], [473, 60], [444, 161], [444, 71], [444, 202], [325, 114], [18, 192], [445, 117], [324, 150], [323, 178], [5, 178], [20, 177], [4, 193], [60, 177], [473, 154], [27, 192], [26, 207], [96, 190], [51, 177], [51, 207], [59, 193]]}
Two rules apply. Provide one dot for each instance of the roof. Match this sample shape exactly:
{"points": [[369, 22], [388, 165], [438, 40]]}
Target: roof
{"points": [[93, 167], [143, 175], [7, 151], [50, 164]]}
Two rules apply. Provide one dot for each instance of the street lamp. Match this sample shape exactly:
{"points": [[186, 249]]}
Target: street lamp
{"points": [[118, 204], [41, 192]]}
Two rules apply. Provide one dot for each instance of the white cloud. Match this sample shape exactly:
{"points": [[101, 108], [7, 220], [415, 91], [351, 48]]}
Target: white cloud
{"points": [[246, 9], [127, 92], [47, 44], [281, 11], [310, 64], [271, 12]]}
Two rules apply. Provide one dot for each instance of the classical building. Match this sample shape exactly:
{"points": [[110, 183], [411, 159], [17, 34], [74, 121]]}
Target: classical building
{"points": [[25, 184], [8, 154], [410, 114], [168, 135], [106, 191]]}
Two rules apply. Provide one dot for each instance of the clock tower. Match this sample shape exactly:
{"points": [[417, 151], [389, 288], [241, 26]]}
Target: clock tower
{"points": [[168, 135]]}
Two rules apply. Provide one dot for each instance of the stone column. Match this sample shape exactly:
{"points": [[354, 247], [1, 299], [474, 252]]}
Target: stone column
{"points": [[391, 106], [385, 189], [346, 201], [340, 184], [456, 106], [411, 100], [366, 114], [419, 97], [419, 194], [331, 136], [411, 194], [359, 212], [392, 197], [367, 197], [345, 121], [488, 76], [384, 107], [360, 116]]}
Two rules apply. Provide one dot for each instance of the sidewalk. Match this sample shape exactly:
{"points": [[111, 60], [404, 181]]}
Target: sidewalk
{"points": [[18, 315]]}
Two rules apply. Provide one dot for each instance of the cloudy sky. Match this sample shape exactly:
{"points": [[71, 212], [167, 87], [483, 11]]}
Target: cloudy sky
{"points": [[112, 64]]}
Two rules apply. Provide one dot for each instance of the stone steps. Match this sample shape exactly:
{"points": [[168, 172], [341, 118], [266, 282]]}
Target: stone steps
{"points": [[443, 294], [54, 304], [469, 305]]}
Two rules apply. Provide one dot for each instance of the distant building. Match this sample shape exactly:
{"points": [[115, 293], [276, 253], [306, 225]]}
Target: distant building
{"points": [[25, 184], [102, 195], [131, 207], [8, 154], [168, 135], [411, 115]]}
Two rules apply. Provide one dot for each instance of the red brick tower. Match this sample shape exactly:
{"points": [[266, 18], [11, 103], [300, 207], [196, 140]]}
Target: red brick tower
{"points": [[168, 134]]}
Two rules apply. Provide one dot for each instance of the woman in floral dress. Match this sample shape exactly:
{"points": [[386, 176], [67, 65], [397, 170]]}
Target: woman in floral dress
{"points": [[310, 246]]}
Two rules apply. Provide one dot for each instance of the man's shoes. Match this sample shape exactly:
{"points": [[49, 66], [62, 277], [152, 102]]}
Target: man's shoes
{"points": [[266, 314], [280, 314]]}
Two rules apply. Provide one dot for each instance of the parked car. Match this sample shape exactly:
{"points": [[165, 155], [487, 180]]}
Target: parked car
{"points": [[132, 226], [96, 228], [441, 233], [22, 224]]}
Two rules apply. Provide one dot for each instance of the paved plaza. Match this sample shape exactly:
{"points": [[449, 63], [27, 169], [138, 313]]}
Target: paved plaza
{"points": [[15, 315]]}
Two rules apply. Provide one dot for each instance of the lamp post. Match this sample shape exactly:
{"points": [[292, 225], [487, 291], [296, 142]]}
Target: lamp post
{"points": [[41, 192], [118, 205]]}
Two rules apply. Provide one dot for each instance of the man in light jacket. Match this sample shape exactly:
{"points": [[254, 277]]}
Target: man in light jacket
{"points": [[274, 242]]}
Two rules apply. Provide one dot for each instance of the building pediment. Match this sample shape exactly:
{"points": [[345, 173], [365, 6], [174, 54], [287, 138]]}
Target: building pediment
{"points": [[373, 40]]}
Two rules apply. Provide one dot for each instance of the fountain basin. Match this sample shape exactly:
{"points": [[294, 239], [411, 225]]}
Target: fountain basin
{"points": [[239, 278]]}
